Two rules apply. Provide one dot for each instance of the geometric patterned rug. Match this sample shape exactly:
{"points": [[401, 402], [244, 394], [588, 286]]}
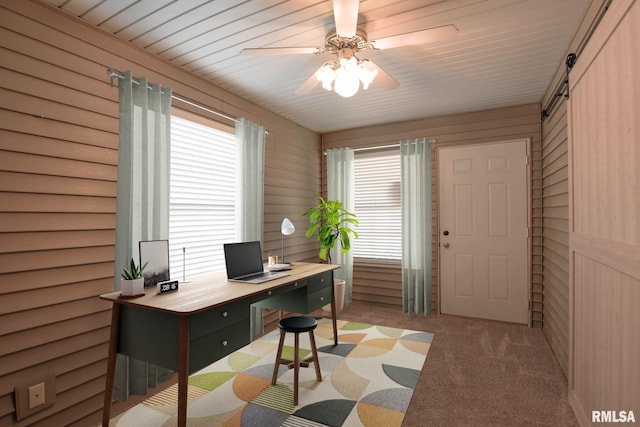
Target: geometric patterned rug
{"points": [[367, 380]]}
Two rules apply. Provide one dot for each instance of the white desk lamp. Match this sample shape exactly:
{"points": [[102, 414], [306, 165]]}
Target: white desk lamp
{"points": [[286, 229]]}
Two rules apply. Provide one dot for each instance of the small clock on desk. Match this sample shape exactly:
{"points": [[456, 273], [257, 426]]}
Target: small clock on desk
{"points": [[167, 286]]}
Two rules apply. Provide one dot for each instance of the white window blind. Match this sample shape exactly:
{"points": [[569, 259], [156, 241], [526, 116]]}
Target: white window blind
{"points": [[202, 203], [377, 205]]}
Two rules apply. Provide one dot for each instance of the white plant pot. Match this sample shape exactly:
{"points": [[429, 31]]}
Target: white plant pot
{"points": [[338, 291], [129, 288]]}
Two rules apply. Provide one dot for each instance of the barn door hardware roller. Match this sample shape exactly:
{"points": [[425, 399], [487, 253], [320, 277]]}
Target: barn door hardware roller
{"points": [[571, 60], [560, 91]]}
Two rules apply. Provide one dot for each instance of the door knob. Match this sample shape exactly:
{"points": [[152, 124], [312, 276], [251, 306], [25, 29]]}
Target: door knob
{"points": [[445, 244]]}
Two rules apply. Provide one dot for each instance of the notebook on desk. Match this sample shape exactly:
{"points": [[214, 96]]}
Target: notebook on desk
{"points": [[244, 263]]}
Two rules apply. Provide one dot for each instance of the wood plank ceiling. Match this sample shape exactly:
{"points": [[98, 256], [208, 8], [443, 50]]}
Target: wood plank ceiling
{"points": [[505, 52]]}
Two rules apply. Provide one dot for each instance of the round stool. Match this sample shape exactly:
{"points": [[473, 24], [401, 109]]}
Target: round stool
{"points": [[297, 325]]}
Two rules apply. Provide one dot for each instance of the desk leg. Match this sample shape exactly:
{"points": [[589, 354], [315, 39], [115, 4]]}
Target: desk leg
{"points": [[111, 363], [333, 312], [183, 370]]}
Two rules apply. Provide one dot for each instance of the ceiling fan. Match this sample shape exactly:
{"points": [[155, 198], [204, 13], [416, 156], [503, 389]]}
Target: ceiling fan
{"points": [[345, 73]]}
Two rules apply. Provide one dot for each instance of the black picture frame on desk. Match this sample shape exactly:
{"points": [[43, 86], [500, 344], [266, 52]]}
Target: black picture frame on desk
{"points": [[156, 254]]}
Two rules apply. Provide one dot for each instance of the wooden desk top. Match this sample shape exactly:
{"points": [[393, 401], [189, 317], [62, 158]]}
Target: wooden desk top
{"points": [[207, 291]]}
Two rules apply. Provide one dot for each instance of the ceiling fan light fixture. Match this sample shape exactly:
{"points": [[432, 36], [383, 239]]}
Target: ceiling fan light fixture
{"points": [[344, 76], [347, 80], [326, 75], [367, 75]]}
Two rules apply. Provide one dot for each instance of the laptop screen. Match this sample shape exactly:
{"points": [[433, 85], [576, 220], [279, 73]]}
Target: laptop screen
{"points": [[242, 258]]}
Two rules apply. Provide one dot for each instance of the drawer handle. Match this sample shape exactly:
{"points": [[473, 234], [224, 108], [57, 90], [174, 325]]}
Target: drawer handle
{"points": [[269, 293], [322, 280], [225, 314], [225, 343], [321, 298], [295, 284]]}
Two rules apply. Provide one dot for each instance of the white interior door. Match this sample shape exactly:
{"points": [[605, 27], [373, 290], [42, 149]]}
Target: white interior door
{"points": [[484, 231]]}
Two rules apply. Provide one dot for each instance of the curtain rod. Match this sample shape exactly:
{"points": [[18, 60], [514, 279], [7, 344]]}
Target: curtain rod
{"points": [[117, 74], [381, 147]]}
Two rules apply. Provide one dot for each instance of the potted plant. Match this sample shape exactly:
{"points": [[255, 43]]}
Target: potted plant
{"points": [[331, 222], [132, 282]]}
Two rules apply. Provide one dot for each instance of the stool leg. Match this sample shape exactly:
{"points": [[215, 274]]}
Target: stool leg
{"points": [[278, 357], [296, 369], [315, 355]]}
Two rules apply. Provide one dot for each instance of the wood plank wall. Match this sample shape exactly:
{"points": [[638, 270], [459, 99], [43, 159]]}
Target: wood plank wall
{"points": [[604, 220], [555, 205], [58, 163], [555, 223], [504, 124], [377, 283]]}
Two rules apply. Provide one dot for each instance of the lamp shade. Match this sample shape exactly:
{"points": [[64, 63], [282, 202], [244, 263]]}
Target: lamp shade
{"points": [[287, 228]]}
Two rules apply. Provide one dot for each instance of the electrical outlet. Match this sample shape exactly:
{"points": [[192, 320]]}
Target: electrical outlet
{"points": [[36, 395]]}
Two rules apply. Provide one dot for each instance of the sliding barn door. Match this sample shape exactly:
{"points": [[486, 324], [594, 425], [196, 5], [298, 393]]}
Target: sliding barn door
{"points": [[604, 244]]}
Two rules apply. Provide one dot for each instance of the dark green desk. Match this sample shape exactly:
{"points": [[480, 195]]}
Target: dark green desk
{"points": [[205, 320]]}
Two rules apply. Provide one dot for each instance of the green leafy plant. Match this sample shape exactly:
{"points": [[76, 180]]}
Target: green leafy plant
{"points": [[330, 222], [134, 272]]}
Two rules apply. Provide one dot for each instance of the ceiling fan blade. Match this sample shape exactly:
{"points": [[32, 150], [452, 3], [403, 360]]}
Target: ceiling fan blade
{"points": [[345, 14], [382, 79], [309, 85], [267, 51], [417, 37]]}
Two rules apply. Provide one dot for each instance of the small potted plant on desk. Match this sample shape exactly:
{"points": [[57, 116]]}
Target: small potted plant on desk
{"points": [[132, 282], [330, 222]]}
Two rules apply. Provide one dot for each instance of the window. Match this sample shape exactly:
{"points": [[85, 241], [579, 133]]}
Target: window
{"points": [[377, 205], [202, 198]]}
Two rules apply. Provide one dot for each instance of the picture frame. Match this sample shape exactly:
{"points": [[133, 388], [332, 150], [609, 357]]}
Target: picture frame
{"points": [[156, 254]]}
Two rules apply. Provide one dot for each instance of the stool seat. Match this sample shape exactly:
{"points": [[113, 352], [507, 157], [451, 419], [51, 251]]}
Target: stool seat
{"points": [[297, 325]]}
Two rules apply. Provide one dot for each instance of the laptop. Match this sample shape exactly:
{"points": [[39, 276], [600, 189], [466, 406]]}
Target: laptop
{"points": [[244, 263]]}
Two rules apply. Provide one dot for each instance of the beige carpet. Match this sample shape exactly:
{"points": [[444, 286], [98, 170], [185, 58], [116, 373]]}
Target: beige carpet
{"points": [[479, 373]]}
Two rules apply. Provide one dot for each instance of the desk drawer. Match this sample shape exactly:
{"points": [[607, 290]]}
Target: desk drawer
{"points": [[321, 281], [318, 299], [207, 349], [218, 318], [271, 293], [299, 301], [303, 296]]}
